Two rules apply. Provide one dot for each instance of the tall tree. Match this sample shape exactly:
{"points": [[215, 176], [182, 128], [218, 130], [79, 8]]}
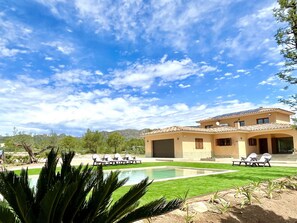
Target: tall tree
{"points": [[32, 144], [22, 140], [69, 143], [93, 141], [286, 37], [134, 146], [115, 140]]}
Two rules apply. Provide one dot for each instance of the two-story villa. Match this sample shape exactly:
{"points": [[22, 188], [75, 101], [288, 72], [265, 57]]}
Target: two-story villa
{"points": [[234, 135]]}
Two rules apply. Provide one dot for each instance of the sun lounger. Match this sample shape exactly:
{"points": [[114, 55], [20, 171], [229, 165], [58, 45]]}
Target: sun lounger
{"points": [[119, 160], [131, 159], [110, 161], [265, 159], [251, 157], [97, 161]]}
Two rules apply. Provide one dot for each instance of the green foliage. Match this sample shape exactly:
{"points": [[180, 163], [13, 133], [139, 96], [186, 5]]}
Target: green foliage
{"points": [[215, 198], [115, 141], [286, 37], [134, 146], [75, 194], [93, 141], [224, 207], [272, 189], [70, 143], [248, 195]]}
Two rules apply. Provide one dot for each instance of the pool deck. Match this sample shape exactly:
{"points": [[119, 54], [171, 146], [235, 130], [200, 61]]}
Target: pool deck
{"points": [[87, 159]]}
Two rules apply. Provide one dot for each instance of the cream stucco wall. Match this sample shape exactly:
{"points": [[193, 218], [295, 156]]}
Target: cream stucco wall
{"points": [[149, 143], [227, 151], [274, 117], [188, 145], [184, 145], [282, 118]]}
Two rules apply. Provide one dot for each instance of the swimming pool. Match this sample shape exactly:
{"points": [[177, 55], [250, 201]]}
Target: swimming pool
{"points": [[164, 173], [161, 173]]}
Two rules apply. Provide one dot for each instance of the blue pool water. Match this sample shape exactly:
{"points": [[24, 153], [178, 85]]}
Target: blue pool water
{"points": [[163, 173]]}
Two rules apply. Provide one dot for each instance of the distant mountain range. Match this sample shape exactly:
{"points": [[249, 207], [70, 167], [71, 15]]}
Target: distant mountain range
{"points": [[127, 133]]}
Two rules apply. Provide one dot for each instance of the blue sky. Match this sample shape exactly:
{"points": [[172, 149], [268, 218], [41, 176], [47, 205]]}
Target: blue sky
{"points": [[66, 66]]}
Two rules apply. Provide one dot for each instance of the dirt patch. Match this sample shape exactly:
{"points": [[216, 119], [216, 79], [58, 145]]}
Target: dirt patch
{"points": [[273, 202]]}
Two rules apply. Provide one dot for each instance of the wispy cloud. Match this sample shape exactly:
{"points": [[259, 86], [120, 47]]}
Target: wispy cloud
{"points": [[166, 21], [61, 46], [12, 37], [77, 76], [184, 86], [41, 109], [144, 75], [255, 34], [270, 81]]}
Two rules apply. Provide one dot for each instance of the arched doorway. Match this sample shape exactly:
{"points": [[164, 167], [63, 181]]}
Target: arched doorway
{"points": [[275, 143], [283, 145]]}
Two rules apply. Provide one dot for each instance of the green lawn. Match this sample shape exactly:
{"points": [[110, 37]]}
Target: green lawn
{"points": [[205, 184]]}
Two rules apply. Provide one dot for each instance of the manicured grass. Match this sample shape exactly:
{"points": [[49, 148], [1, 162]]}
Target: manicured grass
{"points": [[197, 186]]}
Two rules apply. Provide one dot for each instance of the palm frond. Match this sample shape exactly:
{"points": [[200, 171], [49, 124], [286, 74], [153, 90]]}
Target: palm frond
{"points": [[19, 195], [151, 209], [100, 197], [122, 206], [47, 176], [7, 214]]}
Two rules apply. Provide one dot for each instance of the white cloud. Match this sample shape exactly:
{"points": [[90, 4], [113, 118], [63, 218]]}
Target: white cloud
{"points": [[230, 65], [77, 76], [144, 75], [228, 74], [255, 34], [270, 81], [241, 71], [40, 109], [98, 72], [169, 22], [64, 47], [219, 78], [163, 59], [12, 36], [49, 58], [184, 86]]}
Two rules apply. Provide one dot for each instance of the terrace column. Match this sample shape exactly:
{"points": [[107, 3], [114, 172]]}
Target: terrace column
{"points": [[269, 143], [242, 146], [295, 143]]}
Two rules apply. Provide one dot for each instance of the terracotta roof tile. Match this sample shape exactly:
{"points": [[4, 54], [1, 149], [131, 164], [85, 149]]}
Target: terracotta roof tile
{"points": [[251, 128], [246, 112]]}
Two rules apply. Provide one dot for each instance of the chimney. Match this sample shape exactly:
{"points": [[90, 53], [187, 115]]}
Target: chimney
{"points": [[237, 125]]}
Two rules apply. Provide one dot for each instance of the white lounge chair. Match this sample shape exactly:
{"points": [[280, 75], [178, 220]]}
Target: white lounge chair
{"points": [[98, 161], [265, 159], [251, 157], [108, 159], [118, 159], [131, 159]]}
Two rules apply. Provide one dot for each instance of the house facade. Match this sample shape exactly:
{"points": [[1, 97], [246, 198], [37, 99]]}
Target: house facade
{"points": [[234, 135]]}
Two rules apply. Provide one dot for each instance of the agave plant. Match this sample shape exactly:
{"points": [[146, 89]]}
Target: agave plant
{"points": [[75, 194]]}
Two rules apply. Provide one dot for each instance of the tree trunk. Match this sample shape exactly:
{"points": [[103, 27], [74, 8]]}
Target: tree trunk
{"points": [[29, 150]]}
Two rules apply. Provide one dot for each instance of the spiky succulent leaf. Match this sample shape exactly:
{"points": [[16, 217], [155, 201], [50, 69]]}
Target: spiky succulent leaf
{"points": [[121, 207], [7, 214], [17, 192], [154, 208]]}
